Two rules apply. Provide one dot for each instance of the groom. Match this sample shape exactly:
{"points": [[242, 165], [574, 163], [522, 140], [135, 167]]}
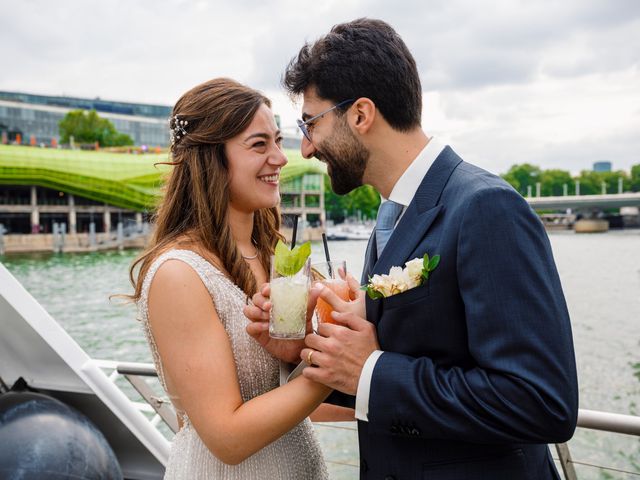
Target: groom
{"points": [[471, 374]]}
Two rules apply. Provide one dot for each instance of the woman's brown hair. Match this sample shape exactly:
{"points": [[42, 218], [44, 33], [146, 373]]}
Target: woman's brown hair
{"points": [[196, 193]]}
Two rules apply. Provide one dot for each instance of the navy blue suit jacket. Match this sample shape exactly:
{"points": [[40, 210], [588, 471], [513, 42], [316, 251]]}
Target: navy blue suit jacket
{"points": [[478, 374]]}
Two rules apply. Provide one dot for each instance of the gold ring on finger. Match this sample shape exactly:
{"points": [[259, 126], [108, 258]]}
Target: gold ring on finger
{"points": [[309, 360]]}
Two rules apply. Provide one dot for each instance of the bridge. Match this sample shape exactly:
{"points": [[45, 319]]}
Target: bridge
{"points": [[614, 200]]}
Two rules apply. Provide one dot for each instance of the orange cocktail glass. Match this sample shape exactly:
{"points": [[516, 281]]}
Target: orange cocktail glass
{"points": [[330, 277]]}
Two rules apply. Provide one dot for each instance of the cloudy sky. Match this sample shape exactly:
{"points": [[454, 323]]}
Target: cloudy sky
{"points": [[554, 83]]}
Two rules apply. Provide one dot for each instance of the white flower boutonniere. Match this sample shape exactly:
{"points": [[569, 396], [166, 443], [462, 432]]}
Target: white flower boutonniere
{"points": [[398, 280]]}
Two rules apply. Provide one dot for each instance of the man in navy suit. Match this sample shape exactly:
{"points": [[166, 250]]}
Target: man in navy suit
{"points": [[471, 374]]}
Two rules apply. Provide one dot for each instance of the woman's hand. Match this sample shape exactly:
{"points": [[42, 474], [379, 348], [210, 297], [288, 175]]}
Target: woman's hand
{"points": [[258, 313]]}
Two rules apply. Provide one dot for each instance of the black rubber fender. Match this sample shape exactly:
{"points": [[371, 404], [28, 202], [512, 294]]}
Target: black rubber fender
{"points": [[43, 438]]}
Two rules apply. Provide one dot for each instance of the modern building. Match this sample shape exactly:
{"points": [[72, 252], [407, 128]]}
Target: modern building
{"points": [[29, 119], [603, 166], [33, 119]]}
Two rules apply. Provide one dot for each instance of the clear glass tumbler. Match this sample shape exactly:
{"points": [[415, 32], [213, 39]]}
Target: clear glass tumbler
{"points": [[289, 297]]}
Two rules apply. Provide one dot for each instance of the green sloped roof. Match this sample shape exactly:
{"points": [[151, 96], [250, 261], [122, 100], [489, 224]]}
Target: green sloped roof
{"points": [[123, 180], [302, 182]]}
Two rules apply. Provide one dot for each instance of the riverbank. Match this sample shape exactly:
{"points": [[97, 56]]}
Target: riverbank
{"points": [[83, 242], [69, 243]]}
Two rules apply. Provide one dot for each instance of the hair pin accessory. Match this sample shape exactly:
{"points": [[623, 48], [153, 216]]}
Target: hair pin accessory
{"points": [[178, 130]]}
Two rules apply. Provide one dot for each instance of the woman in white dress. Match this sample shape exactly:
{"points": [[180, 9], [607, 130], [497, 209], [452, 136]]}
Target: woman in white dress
{"points": [[215, 230]]}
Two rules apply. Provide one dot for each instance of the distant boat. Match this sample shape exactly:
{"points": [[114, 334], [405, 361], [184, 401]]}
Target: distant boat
{"points": [[349, 231], [558, 221]]}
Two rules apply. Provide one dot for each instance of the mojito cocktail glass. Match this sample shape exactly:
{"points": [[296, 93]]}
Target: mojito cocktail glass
{"points": [[289, 297]]}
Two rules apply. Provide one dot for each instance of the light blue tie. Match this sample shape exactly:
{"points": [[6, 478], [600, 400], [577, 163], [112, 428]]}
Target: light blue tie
{"points": [[388, 214]]}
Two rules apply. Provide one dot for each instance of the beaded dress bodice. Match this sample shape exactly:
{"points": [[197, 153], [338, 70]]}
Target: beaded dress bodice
{"points": [[296, 455]]}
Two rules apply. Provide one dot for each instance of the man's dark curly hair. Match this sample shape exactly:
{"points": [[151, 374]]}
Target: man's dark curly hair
{"points": [[361, 58]]}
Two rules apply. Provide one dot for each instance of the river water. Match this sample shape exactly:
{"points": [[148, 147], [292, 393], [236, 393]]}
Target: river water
{"points": [[600, 275]]}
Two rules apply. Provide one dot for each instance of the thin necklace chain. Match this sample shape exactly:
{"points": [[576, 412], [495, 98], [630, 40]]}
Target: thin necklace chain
{"points": [[250, 257]]}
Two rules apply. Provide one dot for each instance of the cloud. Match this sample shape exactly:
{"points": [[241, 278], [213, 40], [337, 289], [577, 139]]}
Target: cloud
{"points": [[506, 81], [560, 123]]}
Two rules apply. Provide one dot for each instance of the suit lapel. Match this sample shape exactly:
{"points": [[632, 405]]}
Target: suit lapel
{"points": [[371, 306], [369, 258], [414, 224]]}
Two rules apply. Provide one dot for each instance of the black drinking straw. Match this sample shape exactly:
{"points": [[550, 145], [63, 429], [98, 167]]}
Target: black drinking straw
{"points": [[295, 231], [326, 254]]}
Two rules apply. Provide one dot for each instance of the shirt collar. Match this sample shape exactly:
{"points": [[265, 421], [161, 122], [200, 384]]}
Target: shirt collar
{"points": [[407, 185]]}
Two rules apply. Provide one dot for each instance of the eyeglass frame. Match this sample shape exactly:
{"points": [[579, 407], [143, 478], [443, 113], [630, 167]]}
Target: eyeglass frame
{"points": [[302, 125]]}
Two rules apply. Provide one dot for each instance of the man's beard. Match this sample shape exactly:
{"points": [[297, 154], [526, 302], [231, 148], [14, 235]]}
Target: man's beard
{"points": [[346, 158]]}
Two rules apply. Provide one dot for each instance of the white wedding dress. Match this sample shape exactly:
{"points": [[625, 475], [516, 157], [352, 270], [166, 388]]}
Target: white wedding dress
{"points": [[294, 456]]}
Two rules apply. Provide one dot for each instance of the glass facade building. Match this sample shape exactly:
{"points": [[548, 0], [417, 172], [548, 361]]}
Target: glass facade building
{"points": [[603, 166], [34, 118]]}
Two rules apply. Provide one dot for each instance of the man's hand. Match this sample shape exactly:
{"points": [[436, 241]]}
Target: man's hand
{"points": [[356, 305], [258, 313], [340, 351]]}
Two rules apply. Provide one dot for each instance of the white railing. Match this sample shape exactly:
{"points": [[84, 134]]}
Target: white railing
{"points": [[136, 373], [603, 421]]}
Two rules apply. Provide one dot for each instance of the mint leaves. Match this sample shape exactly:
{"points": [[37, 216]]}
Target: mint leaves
{"points": [[289, 262]]}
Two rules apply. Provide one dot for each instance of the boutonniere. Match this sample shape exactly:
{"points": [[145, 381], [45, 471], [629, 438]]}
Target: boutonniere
{"points": [[398, 280]]}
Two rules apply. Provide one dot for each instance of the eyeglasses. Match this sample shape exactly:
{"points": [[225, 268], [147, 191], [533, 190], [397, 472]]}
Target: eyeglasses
{"points": [[303, 125]]}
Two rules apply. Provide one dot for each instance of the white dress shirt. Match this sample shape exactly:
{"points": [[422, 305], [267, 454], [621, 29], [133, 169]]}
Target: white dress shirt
{"points": [[403, 192]]}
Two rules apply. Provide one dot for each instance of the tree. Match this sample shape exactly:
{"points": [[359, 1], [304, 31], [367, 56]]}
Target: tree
{"points": [[612, 179], [553, 181], [364, 199], [522, 176], [634, 181], [88, 127], [591, 182]]}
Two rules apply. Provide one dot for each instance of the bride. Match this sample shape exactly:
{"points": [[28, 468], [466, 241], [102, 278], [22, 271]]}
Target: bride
{"points": [[215, 230]]}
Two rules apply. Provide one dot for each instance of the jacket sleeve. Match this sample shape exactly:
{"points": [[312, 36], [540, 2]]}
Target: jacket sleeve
{"points": [[523, 386], [341, 399]]}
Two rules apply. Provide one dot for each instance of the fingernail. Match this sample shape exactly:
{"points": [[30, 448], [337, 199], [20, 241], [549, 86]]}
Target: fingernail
{"points": [[318, 286]]}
